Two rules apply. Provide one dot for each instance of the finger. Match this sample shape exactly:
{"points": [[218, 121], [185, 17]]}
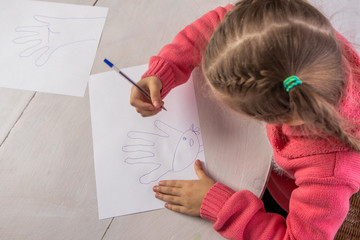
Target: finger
{"points": [[142, 105], [199, 170], [44, 57], [137, 148], [32, 50], [168, 198], [140, 141], [29, 29], [139, 157], [27, 39], [174, 191], [141, 136], [139, 100], [144, 108], [178, 208], [148, 113], [155, 86], [171, 183]]}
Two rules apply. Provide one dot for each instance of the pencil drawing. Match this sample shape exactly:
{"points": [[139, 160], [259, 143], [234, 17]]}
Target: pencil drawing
{"points": [[171, 150], [51, 34]]}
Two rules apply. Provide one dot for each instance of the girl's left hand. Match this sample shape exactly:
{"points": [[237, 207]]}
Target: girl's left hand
{"points": [[185, 196]]}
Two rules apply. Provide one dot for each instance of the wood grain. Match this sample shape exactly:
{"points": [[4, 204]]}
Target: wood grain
{"points": [[12, 104], [47, 188], [47, 175]]}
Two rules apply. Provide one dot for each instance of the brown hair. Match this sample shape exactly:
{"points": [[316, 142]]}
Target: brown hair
{"points": [[262, 42]]}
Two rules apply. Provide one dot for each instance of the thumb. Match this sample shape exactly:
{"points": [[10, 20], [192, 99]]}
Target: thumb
{"points": [[155, 86], [199, 170], [44, 57]]}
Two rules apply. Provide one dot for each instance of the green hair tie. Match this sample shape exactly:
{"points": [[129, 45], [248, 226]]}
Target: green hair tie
{"points": [[291, 82]]}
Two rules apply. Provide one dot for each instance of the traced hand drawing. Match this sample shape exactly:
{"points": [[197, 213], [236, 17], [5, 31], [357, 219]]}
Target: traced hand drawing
{"points": [[171, 151], [52, 34]]}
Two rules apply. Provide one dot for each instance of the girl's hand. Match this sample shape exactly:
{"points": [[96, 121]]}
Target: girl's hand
{"points": [[185, 196], [142, 104]]}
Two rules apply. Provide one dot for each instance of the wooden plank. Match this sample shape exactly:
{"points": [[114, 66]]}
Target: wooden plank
{"points": [[12, 104], [161, 224], [47, 175]]}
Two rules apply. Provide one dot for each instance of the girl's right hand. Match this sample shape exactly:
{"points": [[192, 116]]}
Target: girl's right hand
{"points": [[142, 104]]}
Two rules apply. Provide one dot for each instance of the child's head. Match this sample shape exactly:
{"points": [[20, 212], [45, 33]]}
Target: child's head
{"points": [[259, 44]]}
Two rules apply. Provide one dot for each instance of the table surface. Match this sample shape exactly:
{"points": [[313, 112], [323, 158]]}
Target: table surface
{"points": [[47, 179]]}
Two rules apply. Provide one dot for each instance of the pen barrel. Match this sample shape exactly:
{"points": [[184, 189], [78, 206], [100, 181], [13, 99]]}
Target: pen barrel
{"points": [[111, 65], [133, 83]]}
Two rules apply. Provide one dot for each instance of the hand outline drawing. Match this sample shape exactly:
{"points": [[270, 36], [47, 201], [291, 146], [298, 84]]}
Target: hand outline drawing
{"points": [[184, 146], [52, 34]]}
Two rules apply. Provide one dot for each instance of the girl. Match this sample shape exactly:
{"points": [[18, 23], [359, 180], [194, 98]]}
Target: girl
{"points": [[278, 61]]}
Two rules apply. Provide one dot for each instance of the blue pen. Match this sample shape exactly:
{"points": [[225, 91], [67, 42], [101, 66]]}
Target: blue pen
{"points": [[111, 65]]}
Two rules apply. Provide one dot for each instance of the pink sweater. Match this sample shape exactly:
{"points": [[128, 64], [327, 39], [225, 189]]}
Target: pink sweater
{"points": [[319, 175]]}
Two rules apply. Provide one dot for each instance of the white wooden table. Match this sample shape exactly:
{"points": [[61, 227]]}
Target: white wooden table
{"points": [[47, 180]]}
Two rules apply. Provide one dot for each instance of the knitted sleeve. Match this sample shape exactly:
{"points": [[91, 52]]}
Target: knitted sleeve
{"points": [[317, 206], [175, 62]]}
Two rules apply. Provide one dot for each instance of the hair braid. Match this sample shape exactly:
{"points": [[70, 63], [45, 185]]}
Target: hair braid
{"points": [[261, 43], [318, 113]]}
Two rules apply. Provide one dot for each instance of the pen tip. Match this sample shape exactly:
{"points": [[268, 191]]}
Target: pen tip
{"points": [[108, 63]]}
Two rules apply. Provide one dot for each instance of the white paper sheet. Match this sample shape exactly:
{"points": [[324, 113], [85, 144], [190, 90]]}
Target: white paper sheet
{"points": [[133, 153], [48, 47]]}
